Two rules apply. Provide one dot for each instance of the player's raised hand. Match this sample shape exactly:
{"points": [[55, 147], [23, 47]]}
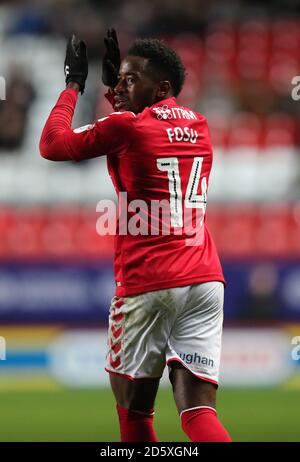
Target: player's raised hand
{"points": [[111, 59], [76, 62]]}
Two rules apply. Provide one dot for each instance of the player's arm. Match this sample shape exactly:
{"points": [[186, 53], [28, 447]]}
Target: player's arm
{"points": [[53, 139], [106, 136]]}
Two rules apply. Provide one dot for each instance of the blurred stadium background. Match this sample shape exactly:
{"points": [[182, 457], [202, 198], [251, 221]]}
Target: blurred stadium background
{"points": [[56, 276]]}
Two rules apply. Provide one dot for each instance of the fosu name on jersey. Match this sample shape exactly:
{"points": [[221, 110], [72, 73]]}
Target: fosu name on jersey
{"points": [[182, 134]]}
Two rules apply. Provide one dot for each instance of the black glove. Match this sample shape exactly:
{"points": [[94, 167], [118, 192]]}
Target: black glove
{"points": [[76, 62], [111, 59]]}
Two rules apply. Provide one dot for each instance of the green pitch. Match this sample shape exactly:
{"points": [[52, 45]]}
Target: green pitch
{"points": [[89, 415]]}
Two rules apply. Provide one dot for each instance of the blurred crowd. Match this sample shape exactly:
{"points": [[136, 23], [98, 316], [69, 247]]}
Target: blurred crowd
{"points": [[13, 114], [136, 17], [240, 57]]}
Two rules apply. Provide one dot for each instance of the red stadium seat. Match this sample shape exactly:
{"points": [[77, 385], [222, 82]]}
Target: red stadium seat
{"points": [[245, 130], [280, 130]]}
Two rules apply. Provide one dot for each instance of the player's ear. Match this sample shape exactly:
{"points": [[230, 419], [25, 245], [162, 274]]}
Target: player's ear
{"points": [[163, 89]]}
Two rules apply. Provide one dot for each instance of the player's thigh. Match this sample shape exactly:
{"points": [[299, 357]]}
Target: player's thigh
{"points": [[189, 390], [138, 333], [194, 347], [138, 394]]}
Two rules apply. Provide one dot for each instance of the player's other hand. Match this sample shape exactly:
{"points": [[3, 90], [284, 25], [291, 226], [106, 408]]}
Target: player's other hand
{"points": [[76, 62], [111, 59]]}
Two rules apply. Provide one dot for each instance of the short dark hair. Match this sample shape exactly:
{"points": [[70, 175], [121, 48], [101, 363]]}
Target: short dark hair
{"points": [[162, 59]]}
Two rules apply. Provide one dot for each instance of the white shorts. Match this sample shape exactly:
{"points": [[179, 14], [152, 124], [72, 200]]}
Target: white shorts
{"points": [[183, 324]]}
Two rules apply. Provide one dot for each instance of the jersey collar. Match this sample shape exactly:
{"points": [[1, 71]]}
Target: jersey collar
{"points": [[168, 101]]}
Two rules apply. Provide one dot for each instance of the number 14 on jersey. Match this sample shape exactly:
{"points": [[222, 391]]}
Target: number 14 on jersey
{"points": [[192, 199]]}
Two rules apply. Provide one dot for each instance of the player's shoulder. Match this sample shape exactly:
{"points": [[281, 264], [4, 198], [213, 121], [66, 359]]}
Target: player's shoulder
{"points": [[116, 123], [119, 118], [202, 120], [201, 116], [194, 114]]}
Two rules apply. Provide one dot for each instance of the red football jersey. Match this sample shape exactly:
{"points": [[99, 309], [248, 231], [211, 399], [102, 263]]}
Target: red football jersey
{"points": [[160, 160]]}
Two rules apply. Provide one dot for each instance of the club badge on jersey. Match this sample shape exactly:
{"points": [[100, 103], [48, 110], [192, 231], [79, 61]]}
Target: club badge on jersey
{"points": [[162, 112]]}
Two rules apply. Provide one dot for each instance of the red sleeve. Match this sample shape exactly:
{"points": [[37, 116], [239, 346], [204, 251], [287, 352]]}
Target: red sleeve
{"points": [[107, 136]]}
